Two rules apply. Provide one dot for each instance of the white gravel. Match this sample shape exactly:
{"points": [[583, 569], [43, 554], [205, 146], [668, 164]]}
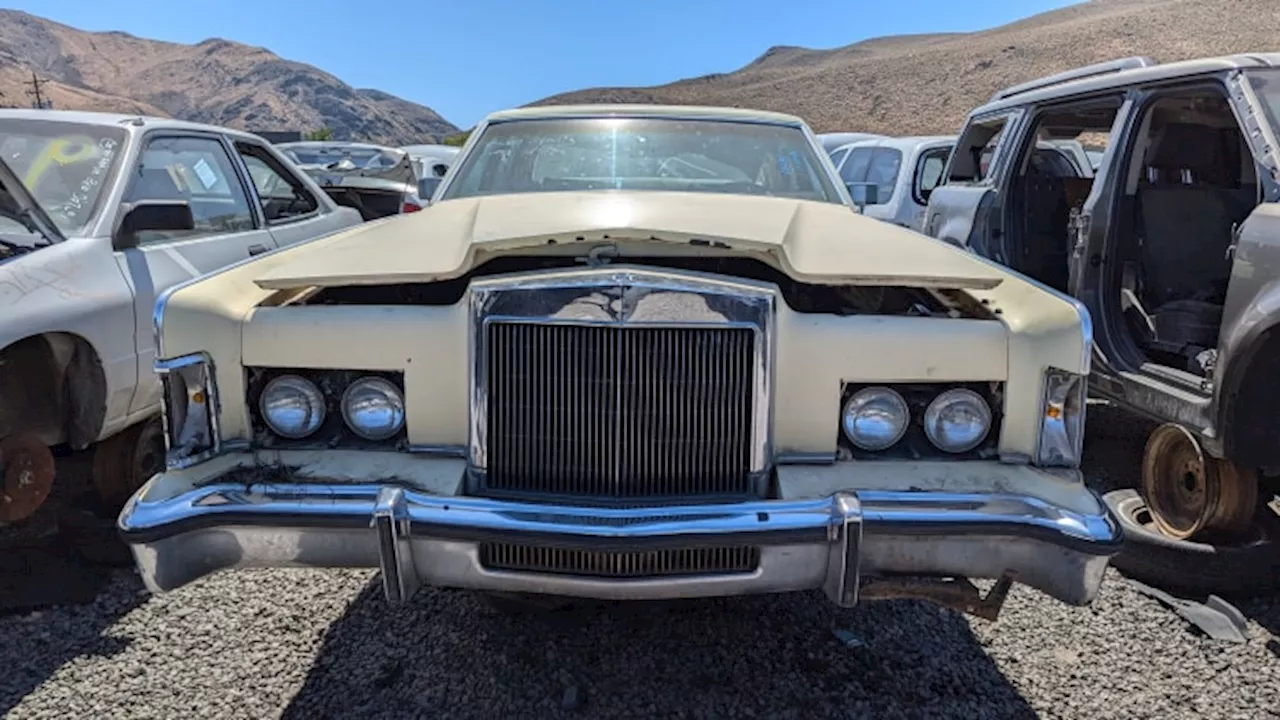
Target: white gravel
{"points": [[312, 644]]}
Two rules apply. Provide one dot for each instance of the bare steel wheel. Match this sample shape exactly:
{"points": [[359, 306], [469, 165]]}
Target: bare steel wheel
{"points": [[1190, 493], [26, 476]]}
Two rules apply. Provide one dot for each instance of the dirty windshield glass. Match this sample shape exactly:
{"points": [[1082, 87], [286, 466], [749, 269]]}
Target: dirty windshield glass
{"points": [[64, 165], [741, 158]]}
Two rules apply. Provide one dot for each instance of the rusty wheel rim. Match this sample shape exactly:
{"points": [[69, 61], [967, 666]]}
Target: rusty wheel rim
{"points": [[1190, 494], [26, 476]]}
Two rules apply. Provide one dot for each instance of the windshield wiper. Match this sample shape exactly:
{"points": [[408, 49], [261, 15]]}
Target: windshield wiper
{"points": [[26, 219]]}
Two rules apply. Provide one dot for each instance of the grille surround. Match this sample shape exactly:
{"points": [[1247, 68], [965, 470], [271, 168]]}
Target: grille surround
{"points": [[624, 297]]}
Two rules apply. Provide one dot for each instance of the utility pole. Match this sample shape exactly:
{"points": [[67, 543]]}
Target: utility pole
{"points": [[40, 102]]}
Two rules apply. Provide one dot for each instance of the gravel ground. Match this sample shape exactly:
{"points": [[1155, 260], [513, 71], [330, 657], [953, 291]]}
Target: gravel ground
{"points": [[311, 644]]}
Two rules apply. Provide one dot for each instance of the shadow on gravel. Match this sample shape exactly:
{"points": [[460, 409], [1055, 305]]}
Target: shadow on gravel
{"points": [[448, 654], [36, 644]]}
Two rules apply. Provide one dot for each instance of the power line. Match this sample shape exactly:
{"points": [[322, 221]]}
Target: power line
{"points": [[41, 102]]}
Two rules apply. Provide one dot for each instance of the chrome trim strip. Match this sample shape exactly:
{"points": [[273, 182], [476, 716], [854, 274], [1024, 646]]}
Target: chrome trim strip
{"points": [[209, 379], [805, 458], [614, 295], [453, 451]]}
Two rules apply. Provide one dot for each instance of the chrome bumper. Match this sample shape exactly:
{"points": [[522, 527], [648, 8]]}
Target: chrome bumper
{"points": [[417, 538]]}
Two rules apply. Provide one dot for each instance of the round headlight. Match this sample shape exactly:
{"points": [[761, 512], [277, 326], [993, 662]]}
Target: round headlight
{"points": [[292, 406], [875, 418], [957, 420], [373, 408]]}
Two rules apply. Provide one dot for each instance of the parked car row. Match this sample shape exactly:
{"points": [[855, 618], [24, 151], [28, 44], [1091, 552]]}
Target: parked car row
{"points": [[99, 215], [1158, 211]]}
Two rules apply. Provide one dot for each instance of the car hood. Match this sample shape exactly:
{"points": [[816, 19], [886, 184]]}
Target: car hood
{"points": [[811, 241]]}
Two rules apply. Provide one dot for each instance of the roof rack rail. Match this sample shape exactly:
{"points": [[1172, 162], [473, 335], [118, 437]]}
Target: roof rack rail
{"points": [[1102, 68]]}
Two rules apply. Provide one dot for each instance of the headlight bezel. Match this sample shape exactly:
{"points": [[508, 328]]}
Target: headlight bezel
{"points": [[191, 425], [914, 445], [334, 432]]}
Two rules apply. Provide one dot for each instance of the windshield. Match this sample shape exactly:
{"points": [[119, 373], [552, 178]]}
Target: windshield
{"points": [[64, 165], [358, 157], [741, 158]]}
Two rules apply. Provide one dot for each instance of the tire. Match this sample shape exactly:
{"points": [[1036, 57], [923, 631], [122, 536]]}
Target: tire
{"points": [[1248, 568], [125, 461]]}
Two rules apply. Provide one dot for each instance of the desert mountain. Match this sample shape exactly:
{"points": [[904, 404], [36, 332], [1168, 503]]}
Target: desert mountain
{"points": [[215, 81], [925, 84]]}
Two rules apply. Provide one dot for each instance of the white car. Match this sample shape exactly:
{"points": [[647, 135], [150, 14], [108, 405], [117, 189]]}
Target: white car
{"points": [[891, 178], [99, 215], [431, 162]]}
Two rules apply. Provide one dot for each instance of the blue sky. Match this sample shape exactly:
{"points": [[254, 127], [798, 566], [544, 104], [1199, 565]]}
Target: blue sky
{"points": [[465, 59]]}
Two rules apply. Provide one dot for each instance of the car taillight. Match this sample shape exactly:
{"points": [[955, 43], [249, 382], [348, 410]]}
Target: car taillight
{"points": [[410, 207]]}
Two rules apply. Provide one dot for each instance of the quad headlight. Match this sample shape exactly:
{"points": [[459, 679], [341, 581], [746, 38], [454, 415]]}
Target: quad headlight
{"points": [[373, 408], [292, 406], [875, 418], [957, 421]]}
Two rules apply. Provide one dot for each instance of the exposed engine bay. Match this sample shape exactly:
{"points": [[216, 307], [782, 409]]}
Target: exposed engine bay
{"points": [[799, 296]]}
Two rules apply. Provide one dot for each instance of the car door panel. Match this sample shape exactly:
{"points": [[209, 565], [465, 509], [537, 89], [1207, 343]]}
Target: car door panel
{"points": [[197, 168], [282, 191]]}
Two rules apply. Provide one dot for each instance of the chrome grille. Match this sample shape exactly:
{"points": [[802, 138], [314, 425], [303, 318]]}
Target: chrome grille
{"points": [[615, 411], [594, 563]]}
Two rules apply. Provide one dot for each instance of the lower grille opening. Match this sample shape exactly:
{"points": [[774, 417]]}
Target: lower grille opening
{"points": [[594, 563]]}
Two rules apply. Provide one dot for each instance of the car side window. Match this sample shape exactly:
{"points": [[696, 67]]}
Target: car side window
{"points": [[977, 150], [855, 167], [198, 171], [281, 193], [883, 171], [929, 172], [838, 155]]}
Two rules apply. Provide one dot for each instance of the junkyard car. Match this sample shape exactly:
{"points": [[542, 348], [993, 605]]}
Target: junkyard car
{"points": [[832, 141], [432, 162], [1174, 247], [98, 215], [890, 178], [629, 352], [377, 181]]}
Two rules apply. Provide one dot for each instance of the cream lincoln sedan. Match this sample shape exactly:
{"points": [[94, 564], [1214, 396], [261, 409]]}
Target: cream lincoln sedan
{"points": [[629, 352]]}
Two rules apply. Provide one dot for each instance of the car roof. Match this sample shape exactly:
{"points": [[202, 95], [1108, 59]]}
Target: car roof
{"points": [[1131, 71], [132, 123], [909, 142], [683, 111], [314, 144]]}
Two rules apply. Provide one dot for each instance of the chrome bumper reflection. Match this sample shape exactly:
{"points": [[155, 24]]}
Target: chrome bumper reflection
{"points": [[416, 539]]}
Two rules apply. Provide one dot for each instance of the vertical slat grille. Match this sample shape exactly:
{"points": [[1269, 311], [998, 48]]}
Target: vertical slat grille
{"points": [[618, 412], [595, 563]]}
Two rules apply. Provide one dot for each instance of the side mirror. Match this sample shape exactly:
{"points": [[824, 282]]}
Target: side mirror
{"points": [[864, 193], [154, 215]]}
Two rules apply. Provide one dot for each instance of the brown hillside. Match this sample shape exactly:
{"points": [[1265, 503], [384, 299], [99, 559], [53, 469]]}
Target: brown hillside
{"points": [[215, 81], [925, 84]]}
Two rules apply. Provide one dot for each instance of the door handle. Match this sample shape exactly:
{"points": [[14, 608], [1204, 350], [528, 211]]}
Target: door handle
{"points": [[257, 249]]}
